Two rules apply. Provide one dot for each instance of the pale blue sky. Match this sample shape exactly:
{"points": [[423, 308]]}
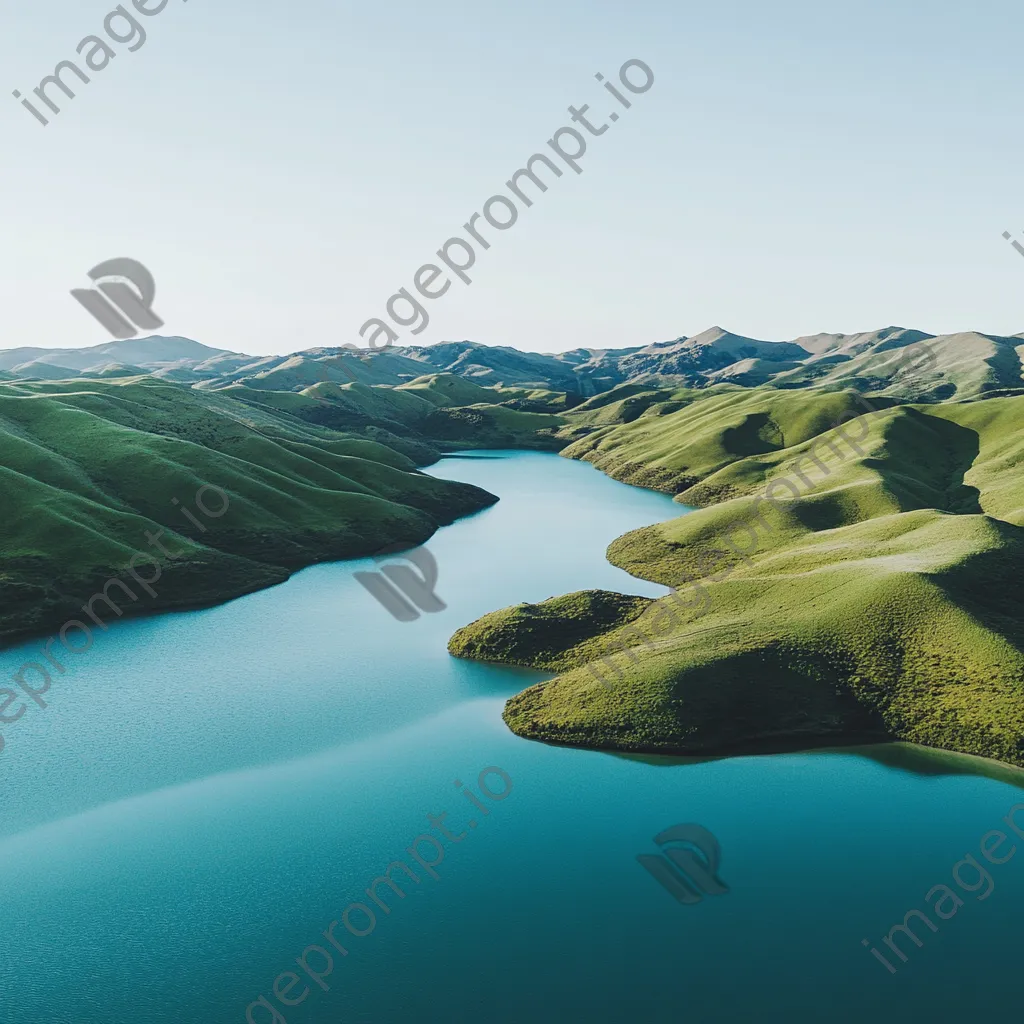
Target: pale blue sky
{"points": [[283, 168]]}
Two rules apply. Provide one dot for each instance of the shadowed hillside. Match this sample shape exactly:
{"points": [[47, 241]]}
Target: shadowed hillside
{"points": [[91, 472], [835, 584], [838, 585]]}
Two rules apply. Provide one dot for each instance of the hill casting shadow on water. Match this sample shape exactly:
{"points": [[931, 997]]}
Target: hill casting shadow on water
{"points": [[881, 600]]}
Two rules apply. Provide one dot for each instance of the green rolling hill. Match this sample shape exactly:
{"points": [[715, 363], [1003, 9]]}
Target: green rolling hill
{"points": [[88, 468], [826, 592], [832, 585]]}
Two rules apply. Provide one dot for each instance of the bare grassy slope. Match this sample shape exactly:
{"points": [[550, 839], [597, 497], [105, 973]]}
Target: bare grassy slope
{"points": [[828, 592]]}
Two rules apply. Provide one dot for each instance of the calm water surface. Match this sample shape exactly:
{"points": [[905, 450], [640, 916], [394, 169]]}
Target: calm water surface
{"points": [[207, 792]]}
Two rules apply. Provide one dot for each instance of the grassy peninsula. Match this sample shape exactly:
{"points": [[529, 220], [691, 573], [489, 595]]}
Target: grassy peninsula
{"points": [[835, 585]]}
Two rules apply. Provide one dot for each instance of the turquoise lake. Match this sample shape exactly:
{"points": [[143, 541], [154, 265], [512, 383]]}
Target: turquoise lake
{"points": [[208, 791]]}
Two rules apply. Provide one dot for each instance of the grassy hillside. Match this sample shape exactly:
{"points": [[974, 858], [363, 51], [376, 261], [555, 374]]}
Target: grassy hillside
{"points": [[674, 440], [424, 418], [297, 373], [41, 370], [87, 468], [152, 350], [954, 366], [494, 426], [838, 586], [537, 635], [445, 390]]}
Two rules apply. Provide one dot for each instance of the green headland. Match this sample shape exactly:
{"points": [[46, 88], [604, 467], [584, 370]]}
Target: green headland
{"points": [[834, 584], [849, 569]]}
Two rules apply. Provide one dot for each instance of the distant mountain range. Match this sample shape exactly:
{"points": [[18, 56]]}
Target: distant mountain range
{"points": [[897, 361], [881, 599]]}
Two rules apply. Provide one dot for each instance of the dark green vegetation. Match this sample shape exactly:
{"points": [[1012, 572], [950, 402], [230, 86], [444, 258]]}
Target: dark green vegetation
{"points": [[95, 444], [835, 585], [88, 468], [877, 595], [557, 634], [423, 417]]}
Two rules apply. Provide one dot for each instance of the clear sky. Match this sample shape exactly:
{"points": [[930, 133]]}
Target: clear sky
{"points": [[283, 168]]}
